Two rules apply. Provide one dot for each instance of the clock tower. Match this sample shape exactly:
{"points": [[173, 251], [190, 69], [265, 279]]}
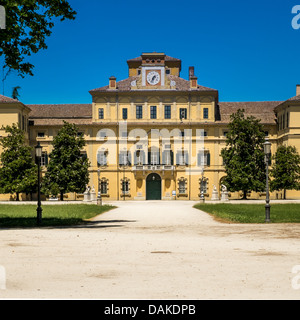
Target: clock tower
{"points": [[153, 69]]}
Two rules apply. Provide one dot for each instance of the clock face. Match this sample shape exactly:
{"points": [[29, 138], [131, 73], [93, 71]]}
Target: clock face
{"points": [[153, 77]]}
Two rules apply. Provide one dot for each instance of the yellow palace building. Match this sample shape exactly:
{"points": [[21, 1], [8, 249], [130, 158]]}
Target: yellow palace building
{"points": [[154, 135]]}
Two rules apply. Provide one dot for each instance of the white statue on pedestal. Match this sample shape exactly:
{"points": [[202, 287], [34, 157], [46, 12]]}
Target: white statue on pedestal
{"points": [[224, 193], [215, 194]]}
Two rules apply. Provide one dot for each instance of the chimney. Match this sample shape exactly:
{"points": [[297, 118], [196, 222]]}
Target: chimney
{"points": [[113, 83], [298, 90], [191, 72], [193, 78]]}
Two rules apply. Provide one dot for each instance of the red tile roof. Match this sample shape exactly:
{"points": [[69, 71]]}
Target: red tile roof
{"points": [[263, 110], [125, 85], [4, 99], [60, 111], [81, 114]]}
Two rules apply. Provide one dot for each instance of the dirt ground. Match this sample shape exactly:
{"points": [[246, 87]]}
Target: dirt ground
{"points": [[152, 250]]}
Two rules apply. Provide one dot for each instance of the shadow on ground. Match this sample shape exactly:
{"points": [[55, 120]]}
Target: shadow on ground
{"points": [[27, 223]]}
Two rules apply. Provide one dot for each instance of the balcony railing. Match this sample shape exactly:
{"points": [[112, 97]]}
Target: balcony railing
{"points": [[153, 167]]}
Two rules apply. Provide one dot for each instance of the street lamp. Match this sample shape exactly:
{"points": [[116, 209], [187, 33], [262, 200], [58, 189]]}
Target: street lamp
{"points": [[99, 198], [202, 198], [124, 183], [267, 152], [38, 156]]}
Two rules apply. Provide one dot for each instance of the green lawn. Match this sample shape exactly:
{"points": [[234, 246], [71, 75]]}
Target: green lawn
{"points": [[52, 216], [252, 213]]}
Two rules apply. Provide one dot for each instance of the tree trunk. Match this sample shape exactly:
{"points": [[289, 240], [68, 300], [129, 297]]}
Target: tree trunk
{"points": [[284, 194], [61, 196], [244, 195], [18, 197]]}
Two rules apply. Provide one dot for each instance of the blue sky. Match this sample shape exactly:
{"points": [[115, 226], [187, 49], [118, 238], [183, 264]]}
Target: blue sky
{"points": [[247, 50]]}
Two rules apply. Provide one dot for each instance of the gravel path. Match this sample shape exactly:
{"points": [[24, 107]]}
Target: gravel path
{"points": [[152, 250]]}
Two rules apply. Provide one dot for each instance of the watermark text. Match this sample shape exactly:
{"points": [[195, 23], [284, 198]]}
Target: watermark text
{"points": [[2, 278], [296, 18], [2, 18]]}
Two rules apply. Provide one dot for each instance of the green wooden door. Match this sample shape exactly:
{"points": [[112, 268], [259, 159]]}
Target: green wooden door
{"points": [[153, 187]]}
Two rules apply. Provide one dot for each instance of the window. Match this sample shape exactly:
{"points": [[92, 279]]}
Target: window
{"points": [[203, 185], [139, 112], [44, 159], [205, 113], [103, 134], [181, 186], [102, 158], [168, 71], [183, 113], [167, 112], [139, 157], [225, 133], [125, 113], [182, 182], [203, 133], [101, 113], [167, 157], [182, 158], [41, 134], [153, 112], [203, 159], [124, 158], [103, 186], [125, 186]]}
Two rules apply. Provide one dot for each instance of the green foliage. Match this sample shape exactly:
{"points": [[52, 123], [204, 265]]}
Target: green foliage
{"points": [[286, 169], [18, 172], [28, 24], [243, 156], [67, 170]]}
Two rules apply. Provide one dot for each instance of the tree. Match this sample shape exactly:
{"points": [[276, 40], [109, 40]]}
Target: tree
{"points": [[67, 170], [18, 172], [28, 24], [243, 156], [286, 170]]}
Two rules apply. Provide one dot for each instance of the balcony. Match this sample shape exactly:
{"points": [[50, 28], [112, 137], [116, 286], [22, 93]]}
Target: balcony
{"points": [[153, 167]]}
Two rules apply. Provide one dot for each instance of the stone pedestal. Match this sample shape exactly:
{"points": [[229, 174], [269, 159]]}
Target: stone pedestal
{"points": [[93, 195], [215, 194], [87, 195], [224, 196]]}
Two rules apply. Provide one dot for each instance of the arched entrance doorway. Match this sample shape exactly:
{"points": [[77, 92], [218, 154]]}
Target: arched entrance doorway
{"points": [[153, 187]]}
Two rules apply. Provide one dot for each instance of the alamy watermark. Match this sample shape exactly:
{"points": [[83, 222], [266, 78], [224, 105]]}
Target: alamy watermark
{"points": [[2, 18], [296, 278], [143, 147], [296, 19], [2, 278]]}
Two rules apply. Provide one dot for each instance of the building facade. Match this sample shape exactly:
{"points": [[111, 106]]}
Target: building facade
{"points": [[154, 135]]}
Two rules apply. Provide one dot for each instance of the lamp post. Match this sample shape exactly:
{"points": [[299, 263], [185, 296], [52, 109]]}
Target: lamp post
{"points": [[124, 183], [267, 152], [38, 155], [202, 198], [99, 198]]}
